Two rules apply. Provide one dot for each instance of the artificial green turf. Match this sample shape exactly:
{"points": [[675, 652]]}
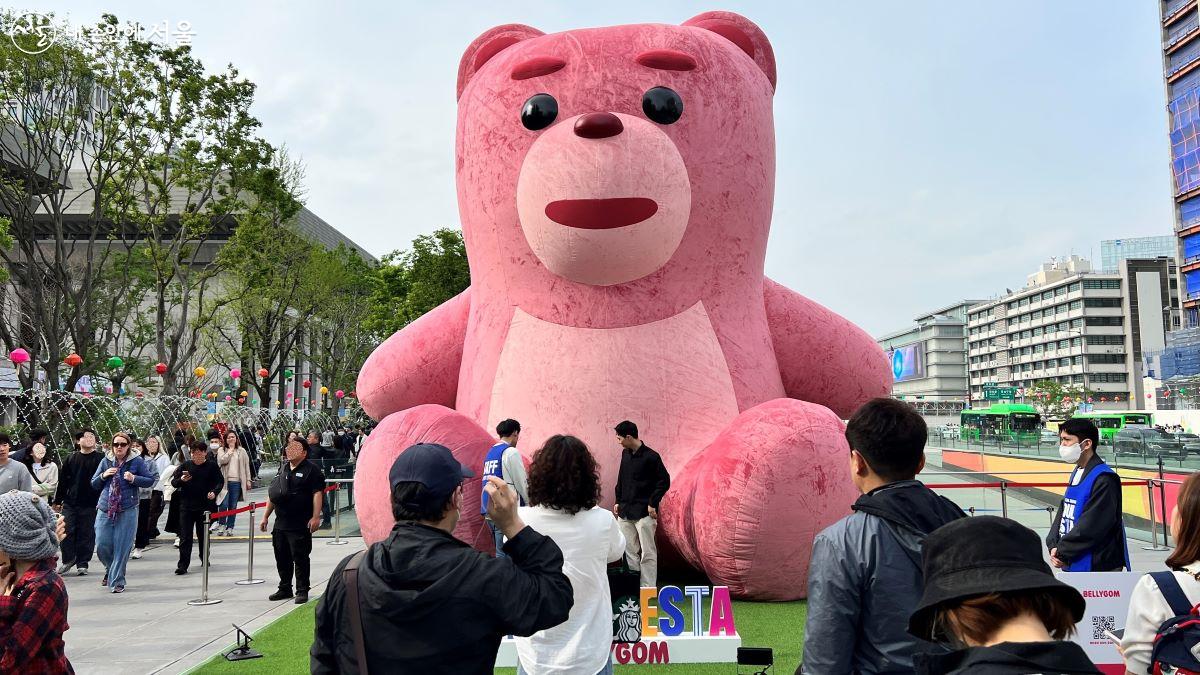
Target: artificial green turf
{"points": [[284, 643]]}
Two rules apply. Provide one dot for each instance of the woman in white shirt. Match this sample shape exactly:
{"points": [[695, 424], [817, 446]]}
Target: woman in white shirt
{"points": [[1148, 609], [150, 499], [564, 493], [43, 466]]}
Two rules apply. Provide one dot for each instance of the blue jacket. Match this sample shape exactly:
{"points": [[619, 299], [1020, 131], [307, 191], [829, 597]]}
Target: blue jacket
{"points": [[142, 477]]}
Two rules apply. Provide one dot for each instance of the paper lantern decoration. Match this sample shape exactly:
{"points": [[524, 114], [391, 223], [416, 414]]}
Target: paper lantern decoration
{"points": [[1149, 395], [288, 373], [324, 390], [18, 356], [73, 359], [306, 384], [1103, 398], [108, 389], [160, 368], [1116, 398], [228, 399], [243, 394], [1089, 399], [339, 393], [276, 402], [263, 372], [236, 373], [353, 395], [290, 394], [139, 395], [115, 362], [200, 371]]}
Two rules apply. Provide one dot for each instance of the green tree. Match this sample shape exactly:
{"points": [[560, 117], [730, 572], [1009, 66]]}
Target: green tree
{"points": [[407, 284], [339, 341], [1056, 401]]}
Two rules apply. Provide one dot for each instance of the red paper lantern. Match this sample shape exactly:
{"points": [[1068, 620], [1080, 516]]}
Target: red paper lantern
{"points": [[1103, 398], [236, 373], [18, 356], [339, 393], [73, 359], [307, 384], [160, 368], [263, 372]]}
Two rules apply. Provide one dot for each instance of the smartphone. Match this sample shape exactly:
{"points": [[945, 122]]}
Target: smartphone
{"points": [[1115, 635]]}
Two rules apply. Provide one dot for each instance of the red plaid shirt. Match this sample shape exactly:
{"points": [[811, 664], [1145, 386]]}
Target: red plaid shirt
{"points": [[32, 622]]}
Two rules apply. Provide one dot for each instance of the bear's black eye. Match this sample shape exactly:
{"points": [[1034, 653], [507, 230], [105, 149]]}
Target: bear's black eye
{"points": [[662, 105], [539, 112]]}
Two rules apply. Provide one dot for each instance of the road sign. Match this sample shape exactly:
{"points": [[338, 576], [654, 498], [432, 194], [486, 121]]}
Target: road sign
{"points": [[999, 393]]}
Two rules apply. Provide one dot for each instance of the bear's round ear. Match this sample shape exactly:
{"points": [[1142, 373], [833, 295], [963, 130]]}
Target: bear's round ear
{"points": [[742, 32], [491, 43]]}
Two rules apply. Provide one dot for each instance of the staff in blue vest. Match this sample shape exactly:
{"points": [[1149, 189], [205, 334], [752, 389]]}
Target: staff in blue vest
{"points": [[504, 462], [1088, 534]]}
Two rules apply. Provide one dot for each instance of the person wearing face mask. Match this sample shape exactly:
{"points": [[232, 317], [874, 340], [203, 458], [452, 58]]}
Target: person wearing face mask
{"points": [[43, 466], [1088, 534]]}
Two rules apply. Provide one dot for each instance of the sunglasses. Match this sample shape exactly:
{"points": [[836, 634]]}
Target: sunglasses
{"points": [[119, 445]]}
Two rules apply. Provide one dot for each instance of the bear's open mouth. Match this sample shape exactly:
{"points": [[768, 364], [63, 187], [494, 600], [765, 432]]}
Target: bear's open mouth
{"points": [[601, 214]]}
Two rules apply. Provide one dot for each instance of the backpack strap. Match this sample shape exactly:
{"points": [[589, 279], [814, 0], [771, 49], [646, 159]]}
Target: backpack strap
{"points": [[350, 580], [1168, 585]]}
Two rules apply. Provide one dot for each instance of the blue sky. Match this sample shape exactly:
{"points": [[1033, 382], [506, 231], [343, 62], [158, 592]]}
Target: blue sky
{"points": [[928, 150]]}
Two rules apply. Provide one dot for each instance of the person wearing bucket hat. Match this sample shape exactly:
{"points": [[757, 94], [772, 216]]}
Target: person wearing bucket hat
{"points": [[33, 599], [428, 602], [989, 593]]}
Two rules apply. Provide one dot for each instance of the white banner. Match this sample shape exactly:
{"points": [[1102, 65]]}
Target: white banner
{"points": [[1107, 596]]}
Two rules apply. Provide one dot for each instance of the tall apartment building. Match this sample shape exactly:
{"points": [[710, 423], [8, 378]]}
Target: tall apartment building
{"points": [[1069, 324], [1181, 71], [929, 359]]}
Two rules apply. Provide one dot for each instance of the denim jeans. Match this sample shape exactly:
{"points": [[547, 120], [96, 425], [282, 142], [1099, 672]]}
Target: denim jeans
{"points": [[233, 492], [606, 670], [114, 541], [498, 537]]}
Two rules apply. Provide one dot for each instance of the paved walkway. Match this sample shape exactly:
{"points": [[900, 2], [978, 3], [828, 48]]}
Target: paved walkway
{"points": [[150, 628]]}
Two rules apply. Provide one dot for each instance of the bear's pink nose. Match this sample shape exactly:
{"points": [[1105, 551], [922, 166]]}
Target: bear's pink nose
{"points": [[598, 125]]}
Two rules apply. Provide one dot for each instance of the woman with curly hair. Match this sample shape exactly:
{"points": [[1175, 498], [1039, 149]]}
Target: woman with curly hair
{"points": [[564, 493]]}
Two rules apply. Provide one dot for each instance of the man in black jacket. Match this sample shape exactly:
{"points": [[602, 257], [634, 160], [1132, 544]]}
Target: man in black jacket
{"points": [[864, 578], [1088, 534], [76, 499], [429, 602], [199, 482], [295, 495], [642, 481]]}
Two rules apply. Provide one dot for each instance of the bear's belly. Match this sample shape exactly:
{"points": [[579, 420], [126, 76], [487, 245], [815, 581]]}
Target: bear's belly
{"points": [[669, 377]]}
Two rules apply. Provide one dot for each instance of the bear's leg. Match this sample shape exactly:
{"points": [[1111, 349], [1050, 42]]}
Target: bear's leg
{"points": [[421, 424], [745, 510]]}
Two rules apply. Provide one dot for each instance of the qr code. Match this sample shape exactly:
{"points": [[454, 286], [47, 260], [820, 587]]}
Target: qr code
{"points": [[1101, 624]]}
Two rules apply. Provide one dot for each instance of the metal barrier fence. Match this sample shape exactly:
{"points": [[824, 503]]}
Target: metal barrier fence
{"points": [[1145, 460], [333, 486], [1004, 485]]}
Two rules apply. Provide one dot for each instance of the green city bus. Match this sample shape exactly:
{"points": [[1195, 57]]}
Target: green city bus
{"points": [[1110, 422], [1016, 422]]}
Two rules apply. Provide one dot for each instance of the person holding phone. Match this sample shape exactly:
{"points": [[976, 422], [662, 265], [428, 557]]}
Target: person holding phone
{"points": [[1148, 607], [198, 482], [119, 479], [33, 598]]}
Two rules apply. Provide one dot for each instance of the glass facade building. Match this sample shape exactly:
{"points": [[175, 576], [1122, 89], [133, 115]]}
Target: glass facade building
{"points": [[1113, 251], [1181, 70]]}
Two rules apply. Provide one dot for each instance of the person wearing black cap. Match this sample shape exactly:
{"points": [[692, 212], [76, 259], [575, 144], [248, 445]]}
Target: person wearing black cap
{"points": [[428, 602], [989, 593], [295, 494], [865, 574]]}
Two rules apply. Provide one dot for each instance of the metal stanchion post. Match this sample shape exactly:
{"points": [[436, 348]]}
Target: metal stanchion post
{"points": [[1153, 521], [1162, 505], [250, 580], [1004, 498], [337, 520], [204, 546]]}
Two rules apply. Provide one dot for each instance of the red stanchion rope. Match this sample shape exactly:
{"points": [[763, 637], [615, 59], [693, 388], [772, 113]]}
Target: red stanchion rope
{"points": [[952, 486], [258, 505]]}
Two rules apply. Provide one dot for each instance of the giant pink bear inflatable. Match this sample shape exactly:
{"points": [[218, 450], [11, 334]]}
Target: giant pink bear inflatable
{"points": [[616, 249]]}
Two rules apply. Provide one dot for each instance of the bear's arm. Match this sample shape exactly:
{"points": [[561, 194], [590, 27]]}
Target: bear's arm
{"points": [[823, 358], [418, 364]]}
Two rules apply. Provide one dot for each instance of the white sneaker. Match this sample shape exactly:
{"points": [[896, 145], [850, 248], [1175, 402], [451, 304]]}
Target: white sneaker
{"points": [[176, 544], [137, 553], [216, 527]]}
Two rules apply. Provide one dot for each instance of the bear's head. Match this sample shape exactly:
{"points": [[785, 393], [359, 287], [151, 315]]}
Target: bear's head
{"points": [[604, 168]]}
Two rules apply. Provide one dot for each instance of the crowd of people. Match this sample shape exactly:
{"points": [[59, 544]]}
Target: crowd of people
{"points": [[905, 583]]}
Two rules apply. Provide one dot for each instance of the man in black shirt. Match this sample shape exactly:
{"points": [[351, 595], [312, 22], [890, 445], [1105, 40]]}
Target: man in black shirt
{"points": [[76, 499], [296, 496], [641, 483], [199, 482]]}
